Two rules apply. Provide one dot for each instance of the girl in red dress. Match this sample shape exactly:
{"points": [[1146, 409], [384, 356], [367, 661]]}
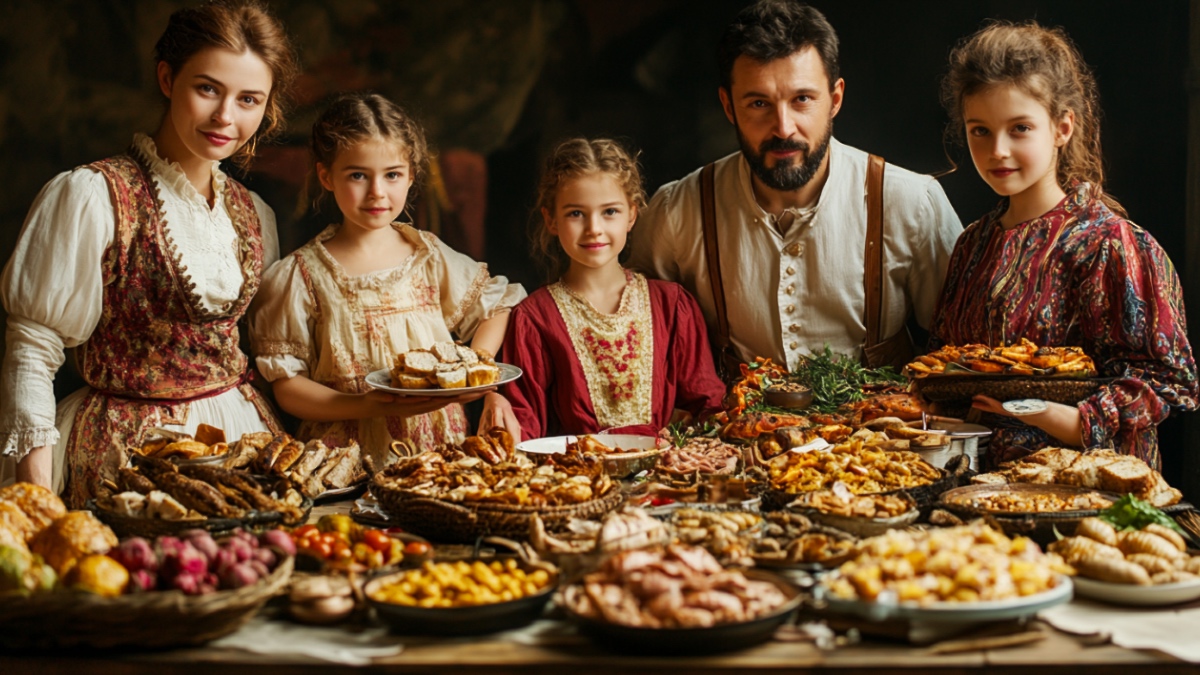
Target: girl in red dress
{"points": [[603, 348]]}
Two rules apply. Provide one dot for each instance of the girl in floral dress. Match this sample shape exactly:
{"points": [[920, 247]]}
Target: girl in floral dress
{"points": [[1056, 261], [144, 262], [370, 287], [603, 348]]}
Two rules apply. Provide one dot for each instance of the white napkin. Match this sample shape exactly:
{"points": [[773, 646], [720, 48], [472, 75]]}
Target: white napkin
{"points": [[334, 644], [1131, 627]]}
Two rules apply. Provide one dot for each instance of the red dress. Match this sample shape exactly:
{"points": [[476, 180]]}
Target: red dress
{"points": [[624, 382]]}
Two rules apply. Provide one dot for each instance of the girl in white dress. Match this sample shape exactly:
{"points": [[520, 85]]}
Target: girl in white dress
{"points": [[144, 262], [371, 287]]}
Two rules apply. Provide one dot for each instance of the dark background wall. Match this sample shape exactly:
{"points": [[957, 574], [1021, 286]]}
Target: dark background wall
{"points": [[498, 82]]}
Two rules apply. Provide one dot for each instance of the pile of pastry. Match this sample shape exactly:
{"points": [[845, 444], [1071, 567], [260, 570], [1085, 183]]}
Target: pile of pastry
{"points": [[208, 441], [313, 468], [1021, 358], [444, 366]]}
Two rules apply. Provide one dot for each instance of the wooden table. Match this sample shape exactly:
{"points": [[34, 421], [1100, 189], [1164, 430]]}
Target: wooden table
{"points": [[1057, 653]]}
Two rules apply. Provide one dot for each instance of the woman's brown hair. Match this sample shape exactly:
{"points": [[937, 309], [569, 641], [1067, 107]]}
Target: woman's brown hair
{"points": [[240, 26], [1045, 64], [356, 117], [571, 159]]}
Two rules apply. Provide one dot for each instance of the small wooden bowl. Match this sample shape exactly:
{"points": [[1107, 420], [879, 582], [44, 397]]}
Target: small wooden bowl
{"points": [[799, 399]]}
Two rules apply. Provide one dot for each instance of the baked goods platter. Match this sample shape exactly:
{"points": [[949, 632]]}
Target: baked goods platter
{"points": [[446, 369]]}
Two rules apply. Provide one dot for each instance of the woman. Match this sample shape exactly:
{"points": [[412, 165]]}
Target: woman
{"points": [[145, 262]]}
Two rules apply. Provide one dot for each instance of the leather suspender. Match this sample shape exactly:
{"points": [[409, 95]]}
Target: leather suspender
{"points": [[873, 259], [872, 268], [708, 217]]}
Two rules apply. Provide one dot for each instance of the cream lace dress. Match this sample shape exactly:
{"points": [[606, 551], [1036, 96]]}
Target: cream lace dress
{"points": [[311, 318]]}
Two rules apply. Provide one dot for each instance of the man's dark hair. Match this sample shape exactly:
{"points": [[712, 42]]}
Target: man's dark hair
{"points": [[774, 29]]}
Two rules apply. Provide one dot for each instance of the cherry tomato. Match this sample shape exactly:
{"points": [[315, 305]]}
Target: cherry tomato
{"points": [[416, 548], [341, 551], [322, 549], [331, 538], [377, 540], [303, 531]]}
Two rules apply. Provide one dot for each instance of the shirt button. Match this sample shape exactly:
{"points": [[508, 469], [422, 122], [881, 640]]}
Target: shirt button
{"points": [[790, 289], [794, 345], [795, 328], [794, 249], [790, 309], [791, 270]]}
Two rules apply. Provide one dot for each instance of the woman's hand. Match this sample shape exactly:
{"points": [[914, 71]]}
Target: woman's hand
{"points": [[37, 467], [498, 412], [1060, 421], [396, 405]]}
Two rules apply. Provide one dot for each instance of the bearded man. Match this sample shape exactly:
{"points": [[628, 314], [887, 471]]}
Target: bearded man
{"points": [[786, 261]]}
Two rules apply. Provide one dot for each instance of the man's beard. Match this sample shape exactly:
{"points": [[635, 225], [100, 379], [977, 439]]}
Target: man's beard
{"points": [[785, 176]]}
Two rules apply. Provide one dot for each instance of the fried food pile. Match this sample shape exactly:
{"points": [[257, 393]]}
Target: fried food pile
{"points": [[313, 468], [968, 563], [726, 535], [1096, 469], [679, 587], [790, 538], [449, 473], [157, 488], [840, 501], [1025, 502], [208, 441], [1155, 554], [462, 584], [444, 366], [1022, 358], [863, 468]]}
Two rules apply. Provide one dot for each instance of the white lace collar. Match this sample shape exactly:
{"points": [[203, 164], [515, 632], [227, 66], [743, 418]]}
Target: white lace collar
{"points": [[171, 176]]}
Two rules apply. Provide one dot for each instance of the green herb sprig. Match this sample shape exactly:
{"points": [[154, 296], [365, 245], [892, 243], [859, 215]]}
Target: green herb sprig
{"points": [[837, 379], [1131, 513]]}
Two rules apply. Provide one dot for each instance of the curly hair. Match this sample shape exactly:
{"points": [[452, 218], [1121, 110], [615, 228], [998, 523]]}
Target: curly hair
{"points": [[356, 117], [774, 29], [1045, 64], [240, 26], [569, 160]]}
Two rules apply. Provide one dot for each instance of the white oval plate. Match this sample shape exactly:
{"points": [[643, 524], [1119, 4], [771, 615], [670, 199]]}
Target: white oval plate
{"points": [[556, 445], [990, 610], [382, 380], [1132, 594]]}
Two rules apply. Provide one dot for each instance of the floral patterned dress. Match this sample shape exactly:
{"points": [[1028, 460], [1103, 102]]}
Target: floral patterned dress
{"points": [[312, 318], [627, 372], [1078, 275]]}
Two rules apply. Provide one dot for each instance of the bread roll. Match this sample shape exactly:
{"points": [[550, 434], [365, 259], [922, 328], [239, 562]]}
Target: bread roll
{"points": [[41, 505], [482, 374], [453, 379]]}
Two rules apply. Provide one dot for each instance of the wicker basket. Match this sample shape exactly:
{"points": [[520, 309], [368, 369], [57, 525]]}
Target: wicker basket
{"points": [[444, 521], [960, 388], [149, 620]]}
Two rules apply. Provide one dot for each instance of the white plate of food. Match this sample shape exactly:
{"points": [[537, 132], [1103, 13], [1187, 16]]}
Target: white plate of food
{"points": [[382, 380], [987, 610], [1134, 594], [616, 443]]}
